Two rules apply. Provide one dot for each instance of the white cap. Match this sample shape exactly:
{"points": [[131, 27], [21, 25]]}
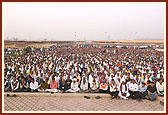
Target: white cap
{"points": [[74, 79]]}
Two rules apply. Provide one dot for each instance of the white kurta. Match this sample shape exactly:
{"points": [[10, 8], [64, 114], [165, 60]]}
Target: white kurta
{"points": [[133, 87], [74, 87], [124, 91], [84, 86], [34, 85]]}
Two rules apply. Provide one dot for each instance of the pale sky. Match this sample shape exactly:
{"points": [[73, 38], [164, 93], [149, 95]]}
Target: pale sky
{"points": [[90, 21]]}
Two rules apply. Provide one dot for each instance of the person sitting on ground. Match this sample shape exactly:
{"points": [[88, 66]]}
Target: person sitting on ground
{"points": [[47, 81], [68, 82], [148, 83], [103, 87], [24, 86], [34, 85], [161, 77], [28, 80], [57, 77], [6, 85], [138, 80], [53, 86], [74, 86], [8, 79], [43, 86], [39, 80], [94, 86], [14, 84], [61, 84], [91, 77], [113, 89], [154, 77], [160, 87], [112, 77], [133, 90], [152, 91], [84, 86], [155, 82], [148, 79], [103, 79], [128, 78], [118, 82], [123, 91], [142, 90]]}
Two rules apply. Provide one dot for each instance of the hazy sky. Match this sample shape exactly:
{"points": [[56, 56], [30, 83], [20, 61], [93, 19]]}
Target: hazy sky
{"points": [[94, 21]]}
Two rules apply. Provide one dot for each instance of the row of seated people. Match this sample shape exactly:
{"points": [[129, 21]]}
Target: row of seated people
{"points": [[123, 90]]}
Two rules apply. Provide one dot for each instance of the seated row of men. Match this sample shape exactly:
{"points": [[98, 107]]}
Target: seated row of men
{"points": [[123, 90]]}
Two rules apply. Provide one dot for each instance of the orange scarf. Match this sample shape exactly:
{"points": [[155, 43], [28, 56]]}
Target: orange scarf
{"points": [[103, 86]]}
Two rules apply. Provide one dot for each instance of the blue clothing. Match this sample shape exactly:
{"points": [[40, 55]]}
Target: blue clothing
{"points": [[39, 81], [129, 67], [86, 65], [56, 70], [152, 97], [142, 89]]}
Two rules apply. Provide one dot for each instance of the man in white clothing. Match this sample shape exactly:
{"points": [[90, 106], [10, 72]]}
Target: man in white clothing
{"points": [[94, 86], [123, 93], [74, 86], [34, 86], [133, 89], [84, 86], [91, 77], [160, 87]]}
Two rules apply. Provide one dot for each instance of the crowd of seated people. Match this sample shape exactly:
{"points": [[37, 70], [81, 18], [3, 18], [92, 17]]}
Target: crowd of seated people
{"points": [[127, 73]]}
